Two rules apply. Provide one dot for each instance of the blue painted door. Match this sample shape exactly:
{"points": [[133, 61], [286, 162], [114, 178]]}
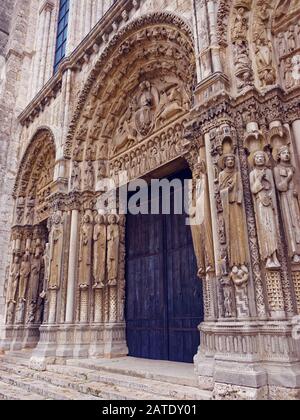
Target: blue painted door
{"points": [[164, 303]]}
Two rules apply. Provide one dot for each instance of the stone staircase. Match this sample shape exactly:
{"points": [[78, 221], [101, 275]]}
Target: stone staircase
{"points": [[128, 379]]}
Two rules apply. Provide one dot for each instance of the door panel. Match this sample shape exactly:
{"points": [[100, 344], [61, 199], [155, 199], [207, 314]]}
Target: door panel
{"points": [[145, 305], [184, 290], [164, 304]]}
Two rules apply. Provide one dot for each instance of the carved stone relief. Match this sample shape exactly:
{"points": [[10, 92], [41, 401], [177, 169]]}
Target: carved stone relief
{"points": [[151, 154], [263, 190], [85, 251], [289, 201], [231, 191], [56, 250], [239, 36]]}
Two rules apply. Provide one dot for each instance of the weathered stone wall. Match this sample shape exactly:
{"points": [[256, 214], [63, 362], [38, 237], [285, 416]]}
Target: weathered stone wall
{"points": [[6, 9], [9, 141]]}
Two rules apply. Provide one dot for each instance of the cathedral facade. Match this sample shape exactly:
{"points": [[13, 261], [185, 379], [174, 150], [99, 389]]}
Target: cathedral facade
{"points": [[133, 90]]}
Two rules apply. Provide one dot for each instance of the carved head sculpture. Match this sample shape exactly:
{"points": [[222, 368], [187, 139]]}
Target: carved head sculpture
{"points": [[228, 161], [260, 159], [87, 218], [38, 248], [16, 259], [113, 219], [57, 217], [284, 155], [100, 219], [102, 170], [26, 256]]}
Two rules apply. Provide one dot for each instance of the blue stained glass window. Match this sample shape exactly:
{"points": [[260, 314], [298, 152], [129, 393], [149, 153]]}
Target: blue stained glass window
{"points": [[62, 33]]}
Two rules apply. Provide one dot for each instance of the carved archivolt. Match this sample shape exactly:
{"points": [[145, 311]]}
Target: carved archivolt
{"points": [[34, 179], [142, 82]]}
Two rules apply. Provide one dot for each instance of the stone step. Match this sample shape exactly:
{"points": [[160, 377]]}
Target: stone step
{"points": [[42, 388], [23, 354], [61, 383], [15, 359], [12, 393], [171, 391], [169, 372]]}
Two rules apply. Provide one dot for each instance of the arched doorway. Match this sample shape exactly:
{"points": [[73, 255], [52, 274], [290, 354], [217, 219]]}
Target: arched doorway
{"points": [[164, 298], [130, 120], [25, 296]]}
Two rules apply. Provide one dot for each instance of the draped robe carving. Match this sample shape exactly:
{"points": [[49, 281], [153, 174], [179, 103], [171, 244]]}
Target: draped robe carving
{"points": [[36, 266], [201, 222], [85, 253], [285, 179], [113, 245], [232, 198], [263, 190], [56, 251], [14, 280], [24, 276], [100, 238]]}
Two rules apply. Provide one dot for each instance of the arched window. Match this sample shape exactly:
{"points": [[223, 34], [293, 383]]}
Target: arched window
{"points": [[62, 33]]}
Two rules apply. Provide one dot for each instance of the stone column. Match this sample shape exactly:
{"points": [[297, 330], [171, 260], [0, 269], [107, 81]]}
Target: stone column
{"points": [[74, 22], [37, 57], [52, 302], [201, 29], [47, 12], [212, 6], [51, 45]]}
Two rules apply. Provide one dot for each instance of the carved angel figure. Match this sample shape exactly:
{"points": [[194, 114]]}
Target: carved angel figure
{"points": [[171, 103]]}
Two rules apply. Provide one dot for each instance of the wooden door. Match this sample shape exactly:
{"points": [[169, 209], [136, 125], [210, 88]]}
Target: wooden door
{"points": [[164, 303]]}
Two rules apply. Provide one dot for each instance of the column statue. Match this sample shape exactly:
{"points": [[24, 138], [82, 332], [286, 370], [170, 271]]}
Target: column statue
{"points": [[232, 201], [56, 250], [201, 221], [263, 191], [100, 239], [24, 276], [36, 266], [14, 277], [113, 245], [85, 252], [285, 179]]}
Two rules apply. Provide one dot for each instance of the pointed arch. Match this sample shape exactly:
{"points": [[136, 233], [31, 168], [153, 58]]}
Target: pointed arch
{"points": [[39, 154]]}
